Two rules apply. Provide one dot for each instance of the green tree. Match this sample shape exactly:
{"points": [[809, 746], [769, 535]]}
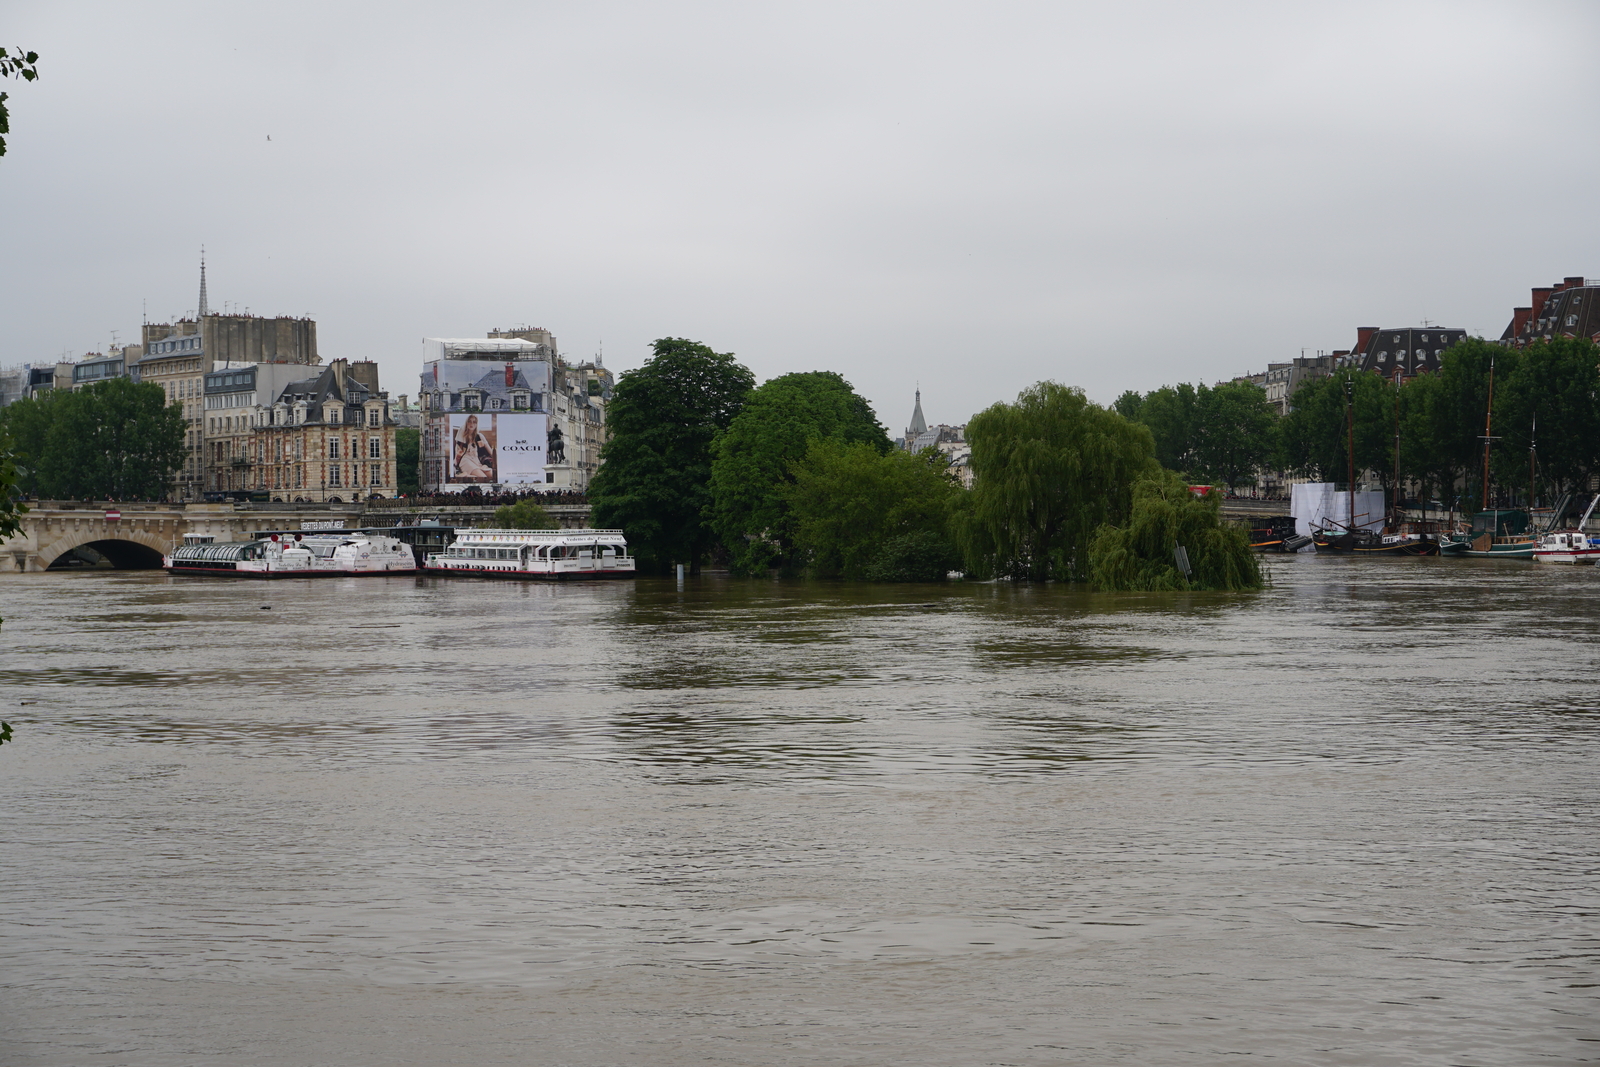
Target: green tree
{"points": [[14, 63], [114, 440], [1234, 434], [523, 515], [754, 462], [1556, 384], [1173, 415], [1048, 471], [1312, 438], [1140, 555], [856, 509], [655, 482], [407, 454]]}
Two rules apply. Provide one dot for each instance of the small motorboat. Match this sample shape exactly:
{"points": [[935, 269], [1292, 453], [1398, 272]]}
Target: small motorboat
{"points": [[1571, 545]]}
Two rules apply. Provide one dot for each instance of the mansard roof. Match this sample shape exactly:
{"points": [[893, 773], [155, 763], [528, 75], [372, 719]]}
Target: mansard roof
{"points": [[1411, 350], [1571, 309]]}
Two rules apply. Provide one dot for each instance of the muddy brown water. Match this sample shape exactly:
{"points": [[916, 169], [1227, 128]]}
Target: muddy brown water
{"points": [[1349, 820]]}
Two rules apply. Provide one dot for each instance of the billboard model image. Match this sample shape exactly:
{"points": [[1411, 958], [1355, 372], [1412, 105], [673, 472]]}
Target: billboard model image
{"points": [[495, 449]]}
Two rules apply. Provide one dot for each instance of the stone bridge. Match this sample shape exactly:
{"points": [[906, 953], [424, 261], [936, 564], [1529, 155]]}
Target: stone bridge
{"points": [[136, 536]]}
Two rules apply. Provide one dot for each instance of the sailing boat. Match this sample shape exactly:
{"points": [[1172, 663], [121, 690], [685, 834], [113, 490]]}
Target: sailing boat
{"points": [[1495, 533], [1353, 539]]}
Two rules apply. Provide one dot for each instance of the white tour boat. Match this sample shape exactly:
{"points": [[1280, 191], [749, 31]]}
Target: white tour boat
{"points": [[549, 554], [1570, 545], [296, 556]]}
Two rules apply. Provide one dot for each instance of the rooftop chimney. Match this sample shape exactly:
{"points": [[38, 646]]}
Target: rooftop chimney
{"points": [[511, 375], [1364, 338], [1540, 295], [1519, 320], [1572, 283], [366, 372]]}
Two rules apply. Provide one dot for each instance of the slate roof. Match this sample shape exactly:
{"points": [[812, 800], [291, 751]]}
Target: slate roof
{"points": [[1571, 311], [1414, 350]]}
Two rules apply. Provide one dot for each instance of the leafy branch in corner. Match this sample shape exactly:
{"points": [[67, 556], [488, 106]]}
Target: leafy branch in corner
{"points": [[14, 63]]}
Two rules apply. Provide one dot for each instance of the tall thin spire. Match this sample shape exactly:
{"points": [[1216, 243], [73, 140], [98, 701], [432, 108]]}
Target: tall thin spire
{"points": [[918, 425], [203, 309]]}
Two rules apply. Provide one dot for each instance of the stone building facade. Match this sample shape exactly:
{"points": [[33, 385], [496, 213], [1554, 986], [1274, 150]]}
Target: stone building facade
{"points": [[328, 438]]}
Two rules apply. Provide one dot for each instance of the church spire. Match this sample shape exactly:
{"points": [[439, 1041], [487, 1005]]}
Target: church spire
{"points": [[203, 310], [919, 425]]}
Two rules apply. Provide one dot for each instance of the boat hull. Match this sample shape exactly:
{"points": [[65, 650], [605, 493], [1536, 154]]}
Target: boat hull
{"points": [[527, 576], [1404, 548], [299, 572]]}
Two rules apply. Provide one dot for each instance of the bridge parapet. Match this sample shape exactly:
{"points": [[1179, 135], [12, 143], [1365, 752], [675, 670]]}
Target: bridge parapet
{"points": [[52, 528]]}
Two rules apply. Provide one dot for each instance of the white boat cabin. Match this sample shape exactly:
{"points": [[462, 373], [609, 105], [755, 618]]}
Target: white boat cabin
{"points": [[535, 554]]}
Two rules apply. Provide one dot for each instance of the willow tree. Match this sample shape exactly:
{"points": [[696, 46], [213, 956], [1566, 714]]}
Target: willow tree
{"points": [[1048, 471], [1141, 554]]}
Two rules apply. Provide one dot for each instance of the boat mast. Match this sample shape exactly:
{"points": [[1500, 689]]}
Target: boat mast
{"points": [[1533, 448], [1488, 422], [1350, 438], [1396, 519]]}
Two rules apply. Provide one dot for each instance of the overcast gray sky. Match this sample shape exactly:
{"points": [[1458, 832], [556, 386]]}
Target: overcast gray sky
{"points": [[973, 196]]}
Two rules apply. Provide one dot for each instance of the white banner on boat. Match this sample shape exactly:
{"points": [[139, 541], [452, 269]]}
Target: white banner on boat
{"points": [[1322, 504]]}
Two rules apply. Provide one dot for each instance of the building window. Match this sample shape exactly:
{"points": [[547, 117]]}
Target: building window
{"points": [[375, 448], [333, 476], [377, 474], [374, 417], [333, 448], [333, 416]]}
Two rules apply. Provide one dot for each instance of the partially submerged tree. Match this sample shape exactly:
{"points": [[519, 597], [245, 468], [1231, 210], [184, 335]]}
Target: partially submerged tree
{"points": [[883, 516], [1142, 553], [756, 459], [1048, 471], [655, 483]]}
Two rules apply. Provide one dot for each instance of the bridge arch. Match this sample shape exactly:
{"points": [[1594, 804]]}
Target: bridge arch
{"points": [[127, 550]]}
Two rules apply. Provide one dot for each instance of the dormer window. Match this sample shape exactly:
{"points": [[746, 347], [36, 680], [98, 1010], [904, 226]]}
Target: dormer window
{"points": [[496, 403], [331, 415], [374, 417], [520, 401]]}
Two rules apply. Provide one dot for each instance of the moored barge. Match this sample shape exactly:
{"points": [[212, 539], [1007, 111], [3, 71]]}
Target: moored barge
{"points": [[295, 556], [552, 555]]}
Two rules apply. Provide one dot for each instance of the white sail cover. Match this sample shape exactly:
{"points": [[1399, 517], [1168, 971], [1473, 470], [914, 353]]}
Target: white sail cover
{"points": [[1321, 504]]}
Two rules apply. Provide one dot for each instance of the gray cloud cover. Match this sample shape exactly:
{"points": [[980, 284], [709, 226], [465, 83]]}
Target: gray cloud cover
{"points": [[970, 196]]}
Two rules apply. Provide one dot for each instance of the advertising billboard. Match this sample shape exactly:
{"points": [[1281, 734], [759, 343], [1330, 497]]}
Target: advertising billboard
{"points": [[448, 379], [494, 448]]}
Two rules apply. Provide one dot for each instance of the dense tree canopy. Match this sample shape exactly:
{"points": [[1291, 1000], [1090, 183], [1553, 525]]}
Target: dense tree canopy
{"points": [[1554, 387], [863, 513], [1313, 439], [1141, 554], [114, 440], [523, 515], [655, 482], [1048, 471], [755, 461], [407, 454], [1221, 434]]}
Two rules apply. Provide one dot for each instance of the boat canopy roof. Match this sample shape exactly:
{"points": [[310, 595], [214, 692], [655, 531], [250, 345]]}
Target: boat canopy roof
{"points": [[219, 551], [505, 538]]}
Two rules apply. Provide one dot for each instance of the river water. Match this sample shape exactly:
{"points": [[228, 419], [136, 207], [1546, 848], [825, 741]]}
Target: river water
{"points": [[1349, 820]]}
